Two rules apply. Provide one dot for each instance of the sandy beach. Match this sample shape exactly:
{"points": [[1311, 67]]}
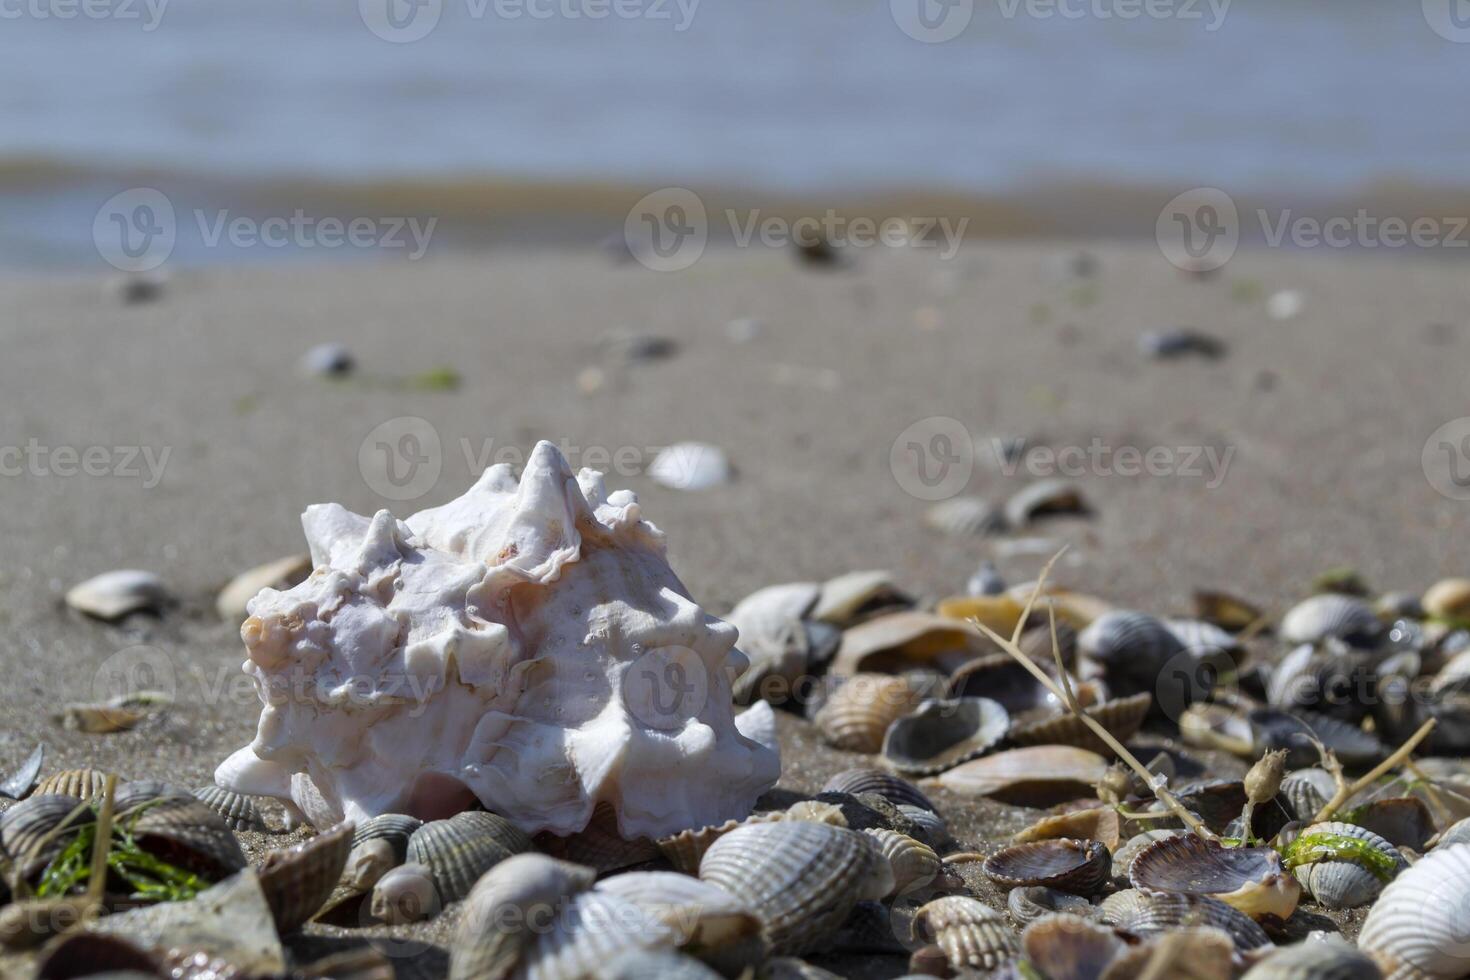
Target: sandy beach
{"points": [[215, 442]]}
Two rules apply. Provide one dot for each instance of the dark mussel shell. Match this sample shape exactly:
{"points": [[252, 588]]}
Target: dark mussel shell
{"points": [[1404, 821], [1076, 866]]}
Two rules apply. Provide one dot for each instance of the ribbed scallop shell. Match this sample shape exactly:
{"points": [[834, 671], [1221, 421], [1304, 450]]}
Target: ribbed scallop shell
{"points": [[1125, 854], [395, 828], [1330, 615], [1315, 960], [1079, 867], [1029, 903], [686, 849], [1456, 833], [1147, 914], [139, 791], [298, 880], [893, 788], [1100, 823], [1251, 879], [81, 783], [594, 930], [913, 863], [972, 934], [1342, 884], [1294, 730], [25, 827], [462, 848], [801, 878], [963, 517], [238, 810], [1134, 641], [857, 714], [1122, 717], [703, 916], [1422, 919], [502, 909], [1066, 947], [942, 734], [774, 638], [1308, 790], [186, 833]]}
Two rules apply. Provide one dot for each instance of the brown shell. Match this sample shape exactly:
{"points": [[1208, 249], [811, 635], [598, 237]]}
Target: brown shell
{"points": [[1404, 821], [1251, 879], [1079, 867], [1099, 823], [1000, 678], [84, 784], [188, 834], [298, 880], [685, 849], [35, 830], [914, 864], [857, 714], [1029, 903], [972, 934], [1067, 946], [1038, 775], [1122, 717], [908, 639]]}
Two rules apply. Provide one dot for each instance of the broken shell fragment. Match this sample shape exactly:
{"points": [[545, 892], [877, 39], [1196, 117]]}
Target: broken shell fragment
{"points": [[98, 719], [1101, 824], [972, 934], [367, 863], [1036, 776], [942, 734], [113, 595], [405, 894], [1251, 879], [856, 596], [19, 783]]}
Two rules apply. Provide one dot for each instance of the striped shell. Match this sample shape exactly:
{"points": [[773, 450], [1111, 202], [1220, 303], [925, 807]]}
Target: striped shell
{"points": [[187, 834], [395, 828], [239, 811], [1051, 496], [1315, 960], [1122, 717], [963, 517], [913, 864], [999, 678], [1294, 730], [136, 792], [1347, 882], [298, 880], [1308, 790], [1125, 854], [499, 915], [1099, 823], [1038, 775], [857, 714], [1456, 833], [82, 783], [29, 830], [1193, 951], [1067, 947], [1132, 645], [462, 848], [942, 734], [594, 930], [1331, 615], [972, 934], [893, 788], [1151, 914], [1251, 879], [686, 849], [930, 826], [704, 917], [1079, 867], [1029, 903], [1422, 919], [801, 878]]}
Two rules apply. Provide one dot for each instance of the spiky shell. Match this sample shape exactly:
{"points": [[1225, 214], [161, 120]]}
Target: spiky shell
{"points": [[238, 810], [972, 934], [459, 850], [1422, 918], [1076, 866]]}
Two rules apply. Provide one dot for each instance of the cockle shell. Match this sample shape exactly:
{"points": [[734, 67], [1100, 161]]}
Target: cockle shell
{"points": [[1422, 919], [1037, 775], [507, 907], [965, 517], [1121, 717], [459, 850], [775, 636], [1251, 879], [1147, 914], [707, 921], [1132, 647], [1100, 823], [895, 789], [137, 792], [526, 644], [906, 639], [1068, 947], [237, 810], [1308, 790], [972, 934], [113, 595], [594, 929], [940, 734], [914, 864], [1224, 610], [857, 714], [297, 880], [187, 834], [665, 964], [1342, 881], [854, 596], [1029, 903], [1125, 853], [84, 784], [1331, 615], [35, 830], [1076, 866], [395, 828], [1320, 960], [801, 878], [1192, 952], [599, 845]]}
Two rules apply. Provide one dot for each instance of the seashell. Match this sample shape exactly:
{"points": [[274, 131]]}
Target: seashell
{"points": [[774, 637], [1029, 903], [113, 595], [706, 921], [972, 934], [1420, 920], [691, 466], [1099, 823], [98, 719], [638, 964], [1067, 947], [1224, 610], [1334, 615], [590, 679], [35, 830], [406, 894], [1218, 802], [1003, 680], [1456, 833], [1314, 961], [594, 930], [1124, 854], [1448, 599], [685, 849], [19, 783], [1145, 914], [1403, 821], [999, 613], [82, 783], [817, 812], [281, 574], [928, 825], [459, 850], [914, 864], [1133, 648], [1218, 726], [599, 846], [849, 598], [239, 811], [895, 789], [187, 834], [1191, 953], [1079, 867], [801, 878], [395, 828], [1122, 717], [297, 881], [857, 714], [507, 906], [1175, 342], [1342, 865], [361, 963], [1042, 499], [791, 968], [986, 581], [942, 734], [1308, 790], [1294, 731], [137, 792], [1036, 776], [367, 863], [1202, 638], [964, 517], [327, 360], [1336, 682], [1251, 879], [902, 639]]}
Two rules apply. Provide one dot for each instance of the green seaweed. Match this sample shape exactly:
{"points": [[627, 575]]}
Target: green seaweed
{"points": [[1324, 845], [151, 878]]}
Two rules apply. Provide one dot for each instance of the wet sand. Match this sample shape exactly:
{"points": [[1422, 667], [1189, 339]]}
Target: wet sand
{"points": [[1324, 417]]}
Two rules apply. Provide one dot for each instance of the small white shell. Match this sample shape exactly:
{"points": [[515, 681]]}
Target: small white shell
{"points": [[1422, 919], [691, 466], [1329, 615], [329, 360], [113, 595], [965, 517], [405, 894]]}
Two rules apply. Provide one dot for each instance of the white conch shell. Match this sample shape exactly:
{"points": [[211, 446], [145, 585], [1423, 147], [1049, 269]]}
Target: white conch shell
{"points": [[526, 644]]}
